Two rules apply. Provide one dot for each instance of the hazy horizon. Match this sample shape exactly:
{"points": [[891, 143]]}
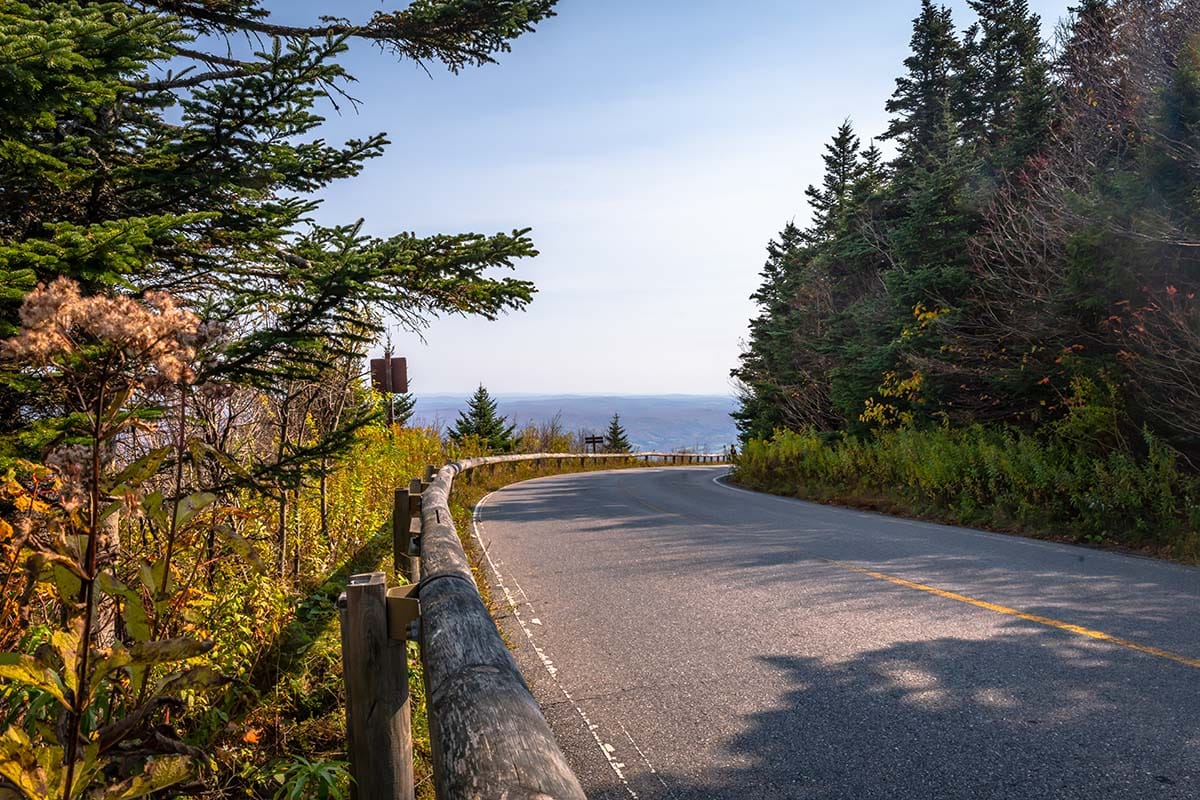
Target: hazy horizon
{"points": [[651, 421]]}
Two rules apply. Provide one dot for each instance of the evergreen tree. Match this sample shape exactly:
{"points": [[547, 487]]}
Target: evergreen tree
{"points": [[872, 176], [923, 120], [481, 421], [615, 440], [831, 204], [765, 360], [1006, 95], [161, 164], [402, 407]]}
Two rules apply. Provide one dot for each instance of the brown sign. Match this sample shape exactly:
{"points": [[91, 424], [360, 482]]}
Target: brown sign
{"points": [[389, 376]]}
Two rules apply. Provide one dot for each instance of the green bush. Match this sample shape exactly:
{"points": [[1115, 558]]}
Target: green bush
{"points": [[995, 477]]}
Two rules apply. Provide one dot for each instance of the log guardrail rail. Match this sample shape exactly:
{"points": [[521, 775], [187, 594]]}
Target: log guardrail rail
{"points": [[488, 736]]}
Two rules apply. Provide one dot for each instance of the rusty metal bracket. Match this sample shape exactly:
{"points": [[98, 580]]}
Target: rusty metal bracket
{"points": [[403, 612]]}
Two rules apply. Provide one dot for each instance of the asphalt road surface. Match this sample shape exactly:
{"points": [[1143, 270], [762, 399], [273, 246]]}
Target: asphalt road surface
{"points": [[690, 640]]}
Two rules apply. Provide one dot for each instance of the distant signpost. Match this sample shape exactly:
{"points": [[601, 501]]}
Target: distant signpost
{"points": [[390, 376], [594, 442]]}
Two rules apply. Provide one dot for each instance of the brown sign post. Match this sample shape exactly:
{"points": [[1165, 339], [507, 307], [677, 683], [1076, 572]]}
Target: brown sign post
{"points": [[390, 376]]}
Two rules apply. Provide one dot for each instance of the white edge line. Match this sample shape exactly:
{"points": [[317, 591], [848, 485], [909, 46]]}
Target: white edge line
{"points": [[551, 670]]}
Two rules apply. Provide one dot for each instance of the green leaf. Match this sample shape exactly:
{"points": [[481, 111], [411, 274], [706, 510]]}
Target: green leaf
{"points": [[152, 506], [66, 580], [19, 765], [201, 450], [138, 472], [194, 679], [243, 548], [136, 620], [188, 507], [26, 670], [168, 650], [66, 644], [159, 773], [115, 659]]}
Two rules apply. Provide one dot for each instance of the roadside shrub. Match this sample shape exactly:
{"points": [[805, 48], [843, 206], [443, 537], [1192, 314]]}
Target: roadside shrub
{"points": [[994, 477]]}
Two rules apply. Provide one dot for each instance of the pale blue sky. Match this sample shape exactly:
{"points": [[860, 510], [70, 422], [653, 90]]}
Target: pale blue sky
{"points": [[653, 146]]}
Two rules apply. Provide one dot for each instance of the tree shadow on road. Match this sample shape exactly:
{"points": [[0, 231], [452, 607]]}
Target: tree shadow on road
{"points": [[1029, 714]]}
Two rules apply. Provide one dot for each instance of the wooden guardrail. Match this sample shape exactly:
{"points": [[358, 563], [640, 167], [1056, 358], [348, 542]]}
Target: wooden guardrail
{"points": [[488, 735]]}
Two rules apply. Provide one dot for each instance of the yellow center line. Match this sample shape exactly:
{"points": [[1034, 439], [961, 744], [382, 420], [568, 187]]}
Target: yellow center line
{"points": [[1012, 612]]}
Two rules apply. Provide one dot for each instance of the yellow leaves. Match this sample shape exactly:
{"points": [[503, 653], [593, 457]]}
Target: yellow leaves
{"points": [[28, 671], [924, 317], [66, 644], [20, 766], [907, 390], [26, 503]]}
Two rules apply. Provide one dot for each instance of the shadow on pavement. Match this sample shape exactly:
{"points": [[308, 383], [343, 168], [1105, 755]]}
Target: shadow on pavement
{"points": [[953, 718]]}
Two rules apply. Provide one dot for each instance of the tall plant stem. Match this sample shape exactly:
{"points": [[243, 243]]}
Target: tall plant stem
{"points": [[173, 528], [87, 595]]}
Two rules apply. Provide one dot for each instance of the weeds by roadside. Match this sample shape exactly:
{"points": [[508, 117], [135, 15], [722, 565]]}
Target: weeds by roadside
{"points": [[993, 478]]}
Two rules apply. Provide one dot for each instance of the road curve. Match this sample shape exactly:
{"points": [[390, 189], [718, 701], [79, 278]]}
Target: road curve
{"points": [[690, 640]]}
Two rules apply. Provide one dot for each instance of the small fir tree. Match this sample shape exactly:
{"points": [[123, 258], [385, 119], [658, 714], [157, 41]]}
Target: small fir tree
{"points": [[402, 407], [615, 440], [480, 420]]}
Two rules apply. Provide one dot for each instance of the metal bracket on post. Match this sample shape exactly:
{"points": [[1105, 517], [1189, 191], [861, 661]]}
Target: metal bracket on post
{"points": [[404, 612]]}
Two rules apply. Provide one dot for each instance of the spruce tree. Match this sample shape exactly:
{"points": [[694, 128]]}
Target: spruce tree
{"points": [[480, 421], [402, 408], [763, 363], [174, 146], [615, 440], [832, 202], [1006, 94], [923, 120]]}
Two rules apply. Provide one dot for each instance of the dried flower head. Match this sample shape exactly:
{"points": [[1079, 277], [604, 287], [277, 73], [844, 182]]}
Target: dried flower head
{"points": [[155, 338]]}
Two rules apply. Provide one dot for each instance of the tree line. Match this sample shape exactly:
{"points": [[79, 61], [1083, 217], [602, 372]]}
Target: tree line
{"points": [[1028, 258]]}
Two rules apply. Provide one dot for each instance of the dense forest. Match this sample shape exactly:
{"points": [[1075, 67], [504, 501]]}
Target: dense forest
{"points": [[1020, 277]]}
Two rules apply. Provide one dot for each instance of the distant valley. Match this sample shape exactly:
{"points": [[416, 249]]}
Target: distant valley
{"points": [[652, 422]]}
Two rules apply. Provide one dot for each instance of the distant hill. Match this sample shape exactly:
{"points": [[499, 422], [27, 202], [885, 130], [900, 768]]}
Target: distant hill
{"points": [[653, 422]]}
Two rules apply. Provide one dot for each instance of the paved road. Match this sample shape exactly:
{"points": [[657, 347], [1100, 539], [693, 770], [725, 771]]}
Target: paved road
{"points": [[689, 640]]}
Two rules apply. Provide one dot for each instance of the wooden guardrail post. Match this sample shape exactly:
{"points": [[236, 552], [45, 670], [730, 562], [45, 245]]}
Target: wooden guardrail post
{"points": [[375, 670], [413, 549], [402, 533]]}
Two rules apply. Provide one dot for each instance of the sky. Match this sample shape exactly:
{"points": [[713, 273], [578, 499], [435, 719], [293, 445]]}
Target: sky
{"points": [[654, 146]]}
